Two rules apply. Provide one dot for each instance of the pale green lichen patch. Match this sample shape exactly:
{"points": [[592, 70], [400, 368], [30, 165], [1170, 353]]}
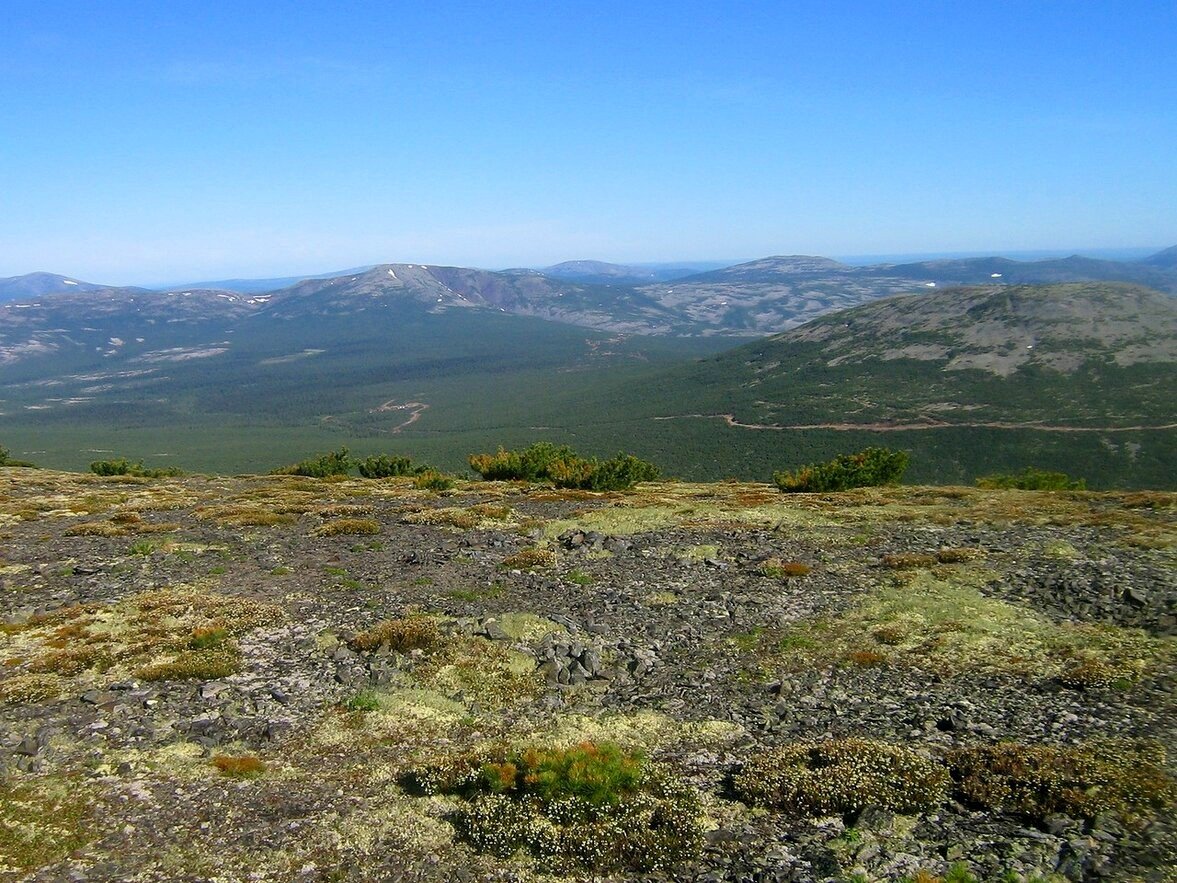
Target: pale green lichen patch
{"points": [[661, 506], [479, 671], [942, 621], [695, 554], [645, 730], [406, 716], [161, 635], [527, 627]]}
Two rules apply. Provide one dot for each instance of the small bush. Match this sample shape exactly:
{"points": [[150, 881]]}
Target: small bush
{"points": [[194, 665], [365, 700], [244, 766], [432, 480], [123, 466], [349, 526], [529, 559], [908, 561], [562, 466], [1032, 479], [867, 658], [592, 805], [383, 466], [530, 464], [208, 638], [1088, 673], [1036, 781], [841, 776], [777, 568], [401, 635], [29, 688], [892, 634], [323, 466], [6, 460], [492, 511], [868, 468], [620, 473], [72, 661]]}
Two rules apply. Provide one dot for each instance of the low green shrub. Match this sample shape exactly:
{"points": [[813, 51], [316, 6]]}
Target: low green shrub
{"points": [[433, 480], [195, 665], [363, 701], [562, 466], [616, 474], [383, 466], [868, 468], [1036, 781], [1032, 479], [323, 466], [29, 688], [530, 559], [348, 526], [842, 776], [123, 466], [6, 459], [529, 464], [401, 635], [209, 638], [593, 805]]}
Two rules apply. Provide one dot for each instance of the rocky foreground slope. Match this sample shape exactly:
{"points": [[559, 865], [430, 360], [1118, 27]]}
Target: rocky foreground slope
{"points": [[209, 677]]}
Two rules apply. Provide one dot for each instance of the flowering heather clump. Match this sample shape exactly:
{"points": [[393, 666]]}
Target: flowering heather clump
{"points": [[592, 805], [842, 776]]}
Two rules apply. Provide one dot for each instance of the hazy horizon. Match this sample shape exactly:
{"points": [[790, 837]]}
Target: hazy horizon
{"points": [[1122, 254]]}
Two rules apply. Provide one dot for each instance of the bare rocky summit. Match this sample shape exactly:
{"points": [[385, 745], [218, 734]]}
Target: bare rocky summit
{"points": [[231, 678]]}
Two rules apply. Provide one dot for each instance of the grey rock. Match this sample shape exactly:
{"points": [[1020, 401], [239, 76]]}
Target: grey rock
{"points": [[27, 747]]}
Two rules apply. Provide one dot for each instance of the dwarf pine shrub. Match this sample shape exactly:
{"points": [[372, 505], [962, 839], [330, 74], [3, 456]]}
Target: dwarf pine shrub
{"points": [[616, 474], [433, 480], [383, 466], [323, 466], [562, 466], [123, 466], [7, 460], [530, 464], [868, 468], [1032, 479]]}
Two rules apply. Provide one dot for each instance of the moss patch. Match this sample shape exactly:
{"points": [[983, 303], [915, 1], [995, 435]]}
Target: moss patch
{"points": [[42, 819]]}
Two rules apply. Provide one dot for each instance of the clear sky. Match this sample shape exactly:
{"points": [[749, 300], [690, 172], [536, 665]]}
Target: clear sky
{"points": [[151, 141]]}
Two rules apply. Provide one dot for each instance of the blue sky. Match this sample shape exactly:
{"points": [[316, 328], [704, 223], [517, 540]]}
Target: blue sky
{"points": [[148, 141]]}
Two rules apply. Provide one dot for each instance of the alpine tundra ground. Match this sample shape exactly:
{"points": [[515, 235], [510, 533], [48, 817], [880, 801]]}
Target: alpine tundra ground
{"points": [[282, 678]]}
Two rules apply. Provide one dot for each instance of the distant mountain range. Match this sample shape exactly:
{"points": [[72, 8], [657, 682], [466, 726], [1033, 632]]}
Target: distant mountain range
{"points": [[37, 284], [750, 299], [1070, 355], [1077, 377]]}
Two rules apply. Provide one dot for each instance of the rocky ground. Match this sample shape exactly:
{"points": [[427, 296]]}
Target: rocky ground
{"points": [[194, 686]]}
